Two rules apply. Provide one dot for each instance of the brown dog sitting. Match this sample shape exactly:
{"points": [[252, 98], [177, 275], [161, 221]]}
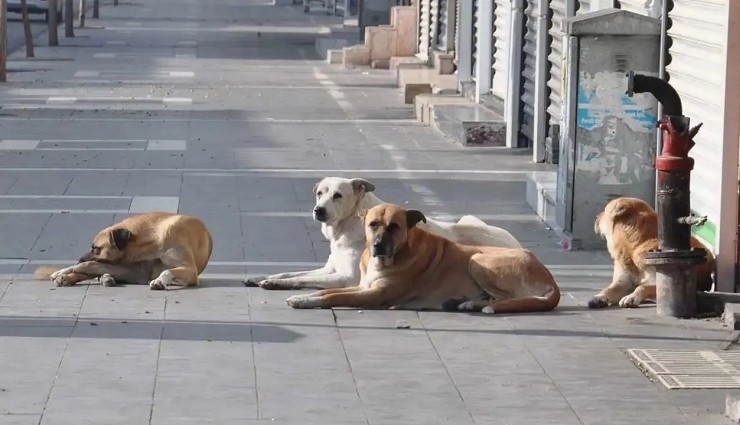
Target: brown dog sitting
{"points": [[630, 227], [160, 248], [406, 267]]}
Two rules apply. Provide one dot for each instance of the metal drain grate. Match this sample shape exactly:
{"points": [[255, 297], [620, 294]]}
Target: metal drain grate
{"points": [[689, 369]]}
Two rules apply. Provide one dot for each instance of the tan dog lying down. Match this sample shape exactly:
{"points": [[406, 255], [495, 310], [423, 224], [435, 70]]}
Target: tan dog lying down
{"points": [[160, 248], [339, 203], [630, 227], [406, 267]]}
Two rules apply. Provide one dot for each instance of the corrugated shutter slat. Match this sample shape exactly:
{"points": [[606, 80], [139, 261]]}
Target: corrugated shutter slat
{"points": [[555, 58], [500, 80], [424, 28], [530, 69]]}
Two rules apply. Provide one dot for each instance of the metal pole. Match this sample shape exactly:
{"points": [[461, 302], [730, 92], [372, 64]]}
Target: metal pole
{"points": [[69, 17], [27, 35], [82, 13], [53, 23], [3, 40]]}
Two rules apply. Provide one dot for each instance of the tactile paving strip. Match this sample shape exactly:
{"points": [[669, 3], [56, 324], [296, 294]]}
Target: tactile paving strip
{"points": [[681, 369]]}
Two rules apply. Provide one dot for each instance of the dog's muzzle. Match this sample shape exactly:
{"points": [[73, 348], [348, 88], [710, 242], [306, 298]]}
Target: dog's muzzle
{"points": [[382, 248], [86, 257], [319, 214]]}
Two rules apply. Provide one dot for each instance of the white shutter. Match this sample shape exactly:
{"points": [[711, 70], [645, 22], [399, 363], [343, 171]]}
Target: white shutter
{"points": [[442, 24], [500, 80], [456, 36], [558, 13], [424, 28], [696, 71], [476, 13], [643, 7], [529, 73], [433, 23]]}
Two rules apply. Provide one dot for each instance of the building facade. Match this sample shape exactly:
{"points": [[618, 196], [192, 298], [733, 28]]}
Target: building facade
{"points": [[509, 55]]}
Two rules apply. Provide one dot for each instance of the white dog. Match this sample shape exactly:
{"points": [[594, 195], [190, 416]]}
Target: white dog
{"points": [[340, 203]]}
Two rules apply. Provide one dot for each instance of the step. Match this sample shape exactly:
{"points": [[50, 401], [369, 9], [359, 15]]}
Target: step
{"points": [[335, 56], [334, 42], [424, 102], [541, 192], [469, 125], [406, 62]]}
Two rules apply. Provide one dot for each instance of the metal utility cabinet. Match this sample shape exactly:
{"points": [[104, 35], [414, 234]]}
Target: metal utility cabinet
{"points": [[609, 140]]}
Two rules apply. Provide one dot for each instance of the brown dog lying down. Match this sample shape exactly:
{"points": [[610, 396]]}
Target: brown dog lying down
{"points": [[160, 248], [406, 267], [630, 227]]}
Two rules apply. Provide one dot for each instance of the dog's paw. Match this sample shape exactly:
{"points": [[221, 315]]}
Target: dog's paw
{"points": [[453, 304], [272, 285], [107, 280], [488, 310], [467, 306], [253, 281], [630, 301], [303, 301], [157, 284], [59, 273], [165, 279], [599, 301], [62, 280]]}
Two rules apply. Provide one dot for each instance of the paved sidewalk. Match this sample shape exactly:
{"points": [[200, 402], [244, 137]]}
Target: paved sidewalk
{"points": [[221, 108]]}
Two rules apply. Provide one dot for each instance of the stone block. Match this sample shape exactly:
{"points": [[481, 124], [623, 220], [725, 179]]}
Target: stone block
{"points": [[410, 91], [731, 316], [334, 56], [356, 56], [380, 64], [732, 408], [476, 133]]}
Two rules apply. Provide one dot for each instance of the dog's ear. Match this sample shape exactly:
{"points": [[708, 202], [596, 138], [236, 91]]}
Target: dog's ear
{"points": [[620, 211], [413, 217], [316, 187], [120, 238], [362, 186], [362, 214]]}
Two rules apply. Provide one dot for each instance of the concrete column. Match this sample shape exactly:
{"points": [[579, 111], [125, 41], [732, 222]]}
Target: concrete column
{"points": [[727, 237], [513, 99], [465, 40], [540, 88], [483, 61]]}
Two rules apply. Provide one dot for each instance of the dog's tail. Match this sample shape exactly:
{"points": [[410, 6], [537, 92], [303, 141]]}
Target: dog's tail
{"points": [[45, 272], [533, 303], [529, 304]]}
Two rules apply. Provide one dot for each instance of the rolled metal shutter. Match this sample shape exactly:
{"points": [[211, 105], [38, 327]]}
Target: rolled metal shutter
{"points": [[529, 73], [433, 23], [442, 25], [638, 6], [474, 50], [558, 12], [695, 68], [457, 30], [500, 80], [424, 28]]}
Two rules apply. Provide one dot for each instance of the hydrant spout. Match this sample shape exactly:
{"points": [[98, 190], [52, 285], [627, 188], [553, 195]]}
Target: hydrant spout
{"points": [[663, 92]]}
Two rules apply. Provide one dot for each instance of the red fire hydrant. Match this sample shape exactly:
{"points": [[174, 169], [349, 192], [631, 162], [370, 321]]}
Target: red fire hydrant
{"points": [[675, 258]]}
